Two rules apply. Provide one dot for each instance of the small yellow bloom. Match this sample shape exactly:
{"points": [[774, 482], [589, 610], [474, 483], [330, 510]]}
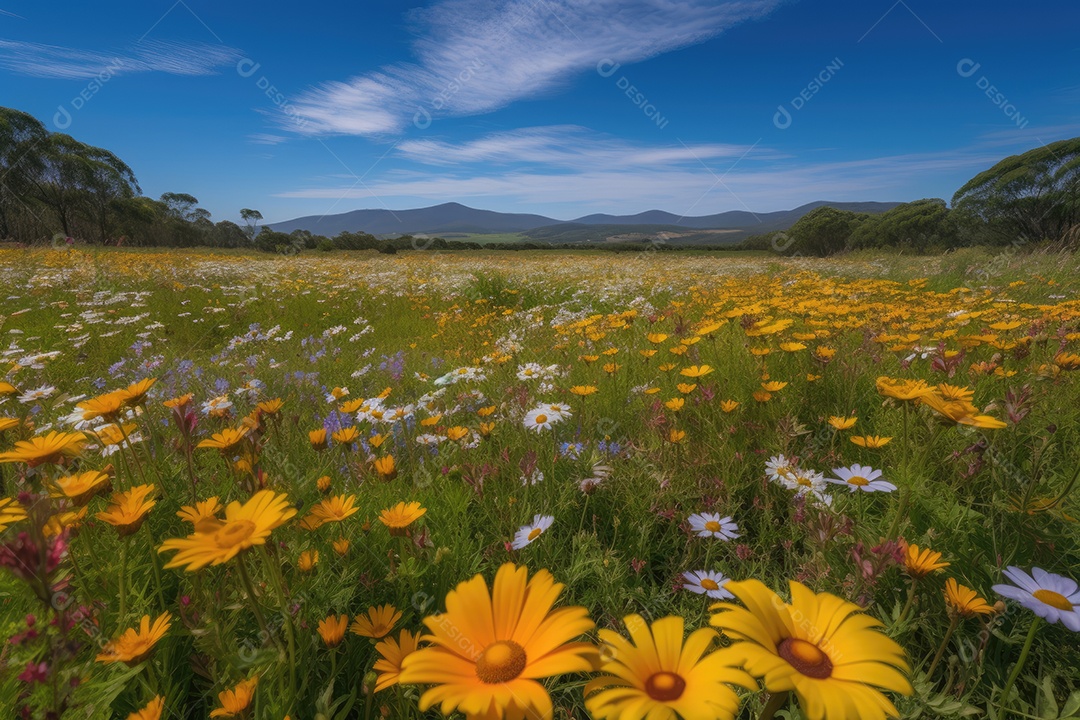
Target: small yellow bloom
{"points": [[235, 701], [872, 442], [377, 623], [332, 630], [401, 516], [964, 601], [308, 560], [842, 423], [921, 562]]}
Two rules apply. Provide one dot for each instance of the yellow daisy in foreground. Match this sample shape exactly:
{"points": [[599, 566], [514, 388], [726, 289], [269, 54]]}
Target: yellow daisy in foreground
{"points": [[152, 711], [489, 649], [244, 526], [202, 515], [335, 509], [819, 646], [135, 394], [127, 510], [401, 516], [657, 675], [391, 654], [235, 701], [106, 406], [135, 645], [225, 440], [11, 512], [51, 448], [378, 622], [82, 488]]}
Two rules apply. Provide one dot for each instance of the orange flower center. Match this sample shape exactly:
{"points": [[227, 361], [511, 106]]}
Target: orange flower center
{"points": [[858, 480], [536, 532], [541, 419], [713, 526], [805, 657], [665, 686], [1053, 599], [500, 662], [710, 584], [234, 533]]}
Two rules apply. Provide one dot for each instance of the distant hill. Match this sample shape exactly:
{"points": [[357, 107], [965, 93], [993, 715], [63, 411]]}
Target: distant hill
{"points": [[448, 217], [743, 219], [458, 218]]}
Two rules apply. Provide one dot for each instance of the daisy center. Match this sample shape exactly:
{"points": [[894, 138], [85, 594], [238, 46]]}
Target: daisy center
{"points": [[805, 657], [541, 419], [536, 532], [234, 533], [858, 480], [709, 584], [805, 481], [1053, 599], [713, 526], [665, 686], [500, 662]]}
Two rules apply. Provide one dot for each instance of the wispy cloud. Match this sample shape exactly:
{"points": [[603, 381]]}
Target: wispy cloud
{"points": [[475, 56], [266, 139], [55, 62], [566, 146]]}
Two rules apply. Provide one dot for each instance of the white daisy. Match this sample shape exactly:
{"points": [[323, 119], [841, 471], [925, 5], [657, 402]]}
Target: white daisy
{"points": [[530, 371], [711, 525], [707, 582], [779, 467], [1054, 598], [861, 477], [561, 409], [528, 533], [37, 394], [541, 418], [219, 404]]}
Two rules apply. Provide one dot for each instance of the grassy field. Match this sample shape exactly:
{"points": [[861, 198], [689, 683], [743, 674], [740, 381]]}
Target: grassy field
{"points": [[673, 437]]}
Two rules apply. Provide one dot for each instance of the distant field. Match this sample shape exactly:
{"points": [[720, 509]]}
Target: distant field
{"points": [[486, 239]]}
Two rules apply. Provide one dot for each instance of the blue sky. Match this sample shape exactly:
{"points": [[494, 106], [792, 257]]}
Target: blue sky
{"points": [[550, 106]]}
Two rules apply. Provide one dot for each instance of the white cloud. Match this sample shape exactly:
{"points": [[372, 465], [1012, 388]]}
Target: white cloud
{"points": [[55, 62], [566, 146], [266, 139], [475, 56]]}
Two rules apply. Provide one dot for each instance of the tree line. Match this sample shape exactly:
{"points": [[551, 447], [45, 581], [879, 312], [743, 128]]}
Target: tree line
{"points": [[54, 186], [1032, 198]]}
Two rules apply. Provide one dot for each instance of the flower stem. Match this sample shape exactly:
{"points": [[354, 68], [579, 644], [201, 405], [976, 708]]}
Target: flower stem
{"points": [[944, 643], [1020, 663], [249, 588], [776, 701], [123, 579], [910, 600]]}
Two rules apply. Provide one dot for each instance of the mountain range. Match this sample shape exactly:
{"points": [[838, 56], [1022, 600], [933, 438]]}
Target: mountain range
{"points": [[455, 218]]}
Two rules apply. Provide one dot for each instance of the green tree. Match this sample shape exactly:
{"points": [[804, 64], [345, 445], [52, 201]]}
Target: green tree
{"points": [[1035, 195], [252, 218], [921, 225], [824, 231]]}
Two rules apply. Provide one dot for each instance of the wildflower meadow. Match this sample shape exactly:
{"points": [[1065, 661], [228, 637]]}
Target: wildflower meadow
{"points": [[574, 485]]}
